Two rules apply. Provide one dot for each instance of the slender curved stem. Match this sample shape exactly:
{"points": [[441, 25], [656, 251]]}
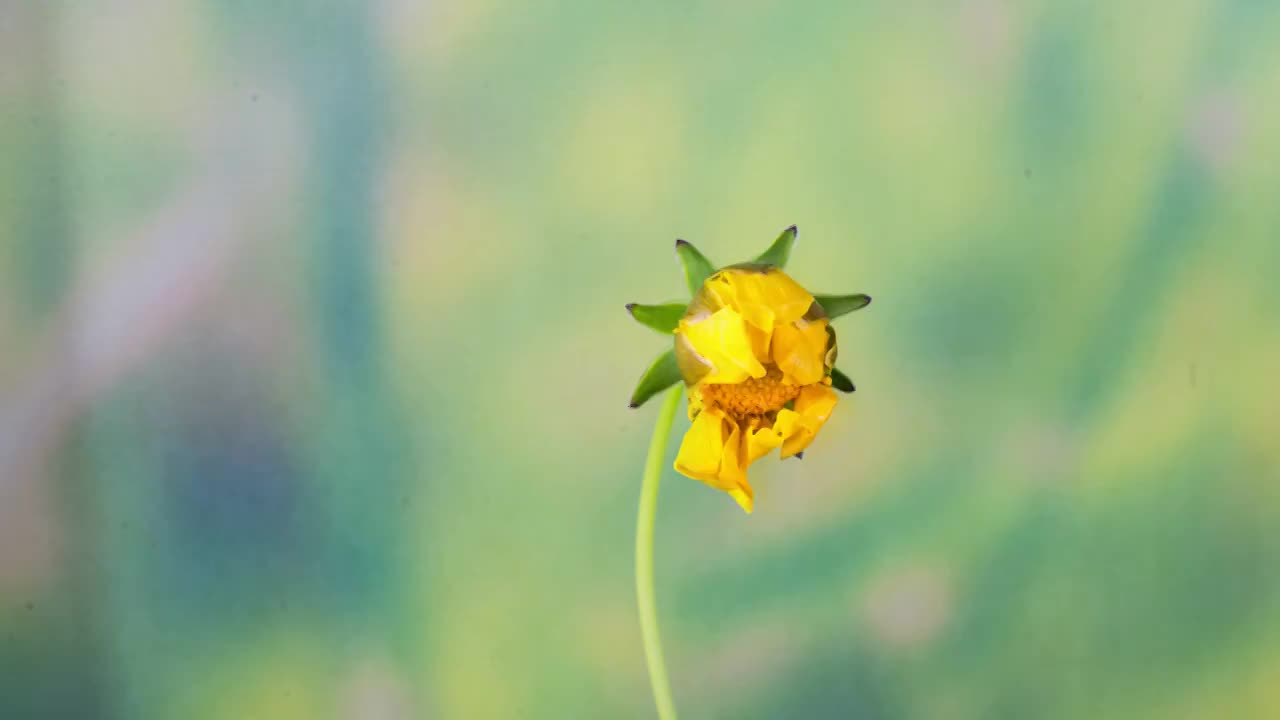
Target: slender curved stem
{"points": [[644, 555]]}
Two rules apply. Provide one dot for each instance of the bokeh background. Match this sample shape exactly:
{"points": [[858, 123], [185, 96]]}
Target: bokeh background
{"points": [[314, 362]]}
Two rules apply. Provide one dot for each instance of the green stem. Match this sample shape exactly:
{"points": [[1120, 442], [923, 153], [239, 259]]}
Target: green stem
{"points": [[644, 555]]}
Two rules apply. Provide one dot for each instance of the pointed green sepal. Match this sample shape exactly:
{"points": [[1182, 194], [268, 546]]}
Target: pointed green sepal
{"points": [[837, 305], [662, 374], [697, 268], [780, 250], [662, 318], [840, 381]]}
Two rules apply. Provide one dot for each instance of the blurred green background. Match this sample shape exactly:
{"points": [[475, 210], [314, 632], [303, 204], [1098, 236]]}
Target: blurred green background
{"points": [[314, 362]]}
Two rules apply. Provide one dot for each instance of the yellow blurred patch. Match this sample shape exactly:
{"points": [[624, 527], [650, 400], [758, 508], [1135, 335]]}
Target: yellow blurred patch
{"points": [[281, 676], [622, 152]]}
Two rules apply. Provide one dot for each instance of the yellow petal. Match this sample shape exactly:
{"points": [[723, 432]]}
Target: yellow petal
{"points": [[733, 468], [745, 497], [723, 291], [787, 426], [715, 451], [762, 441], [813, 407], [718, 291], [796, 443], [757, 315], [695, 402], [760, 343], [722, 340], [702, 448], [774, 290], [800, 351]]}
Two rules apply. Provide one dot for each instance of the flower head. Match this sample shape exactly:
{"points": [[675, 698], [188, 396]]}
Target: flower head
{"points": [[757, 353]]}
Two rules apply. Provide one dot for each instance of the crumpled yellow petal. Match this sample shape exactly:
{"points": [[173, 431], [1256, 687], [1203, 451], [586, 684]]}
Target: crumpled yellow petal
{"points": [[721, 338], [716, 451], [733, 472], [702, 448], [787, 426], [727, 288], [773, 291], [761, 341], [800, 351], [733, 468], [761, 442], [800, 426], [745, 496]]}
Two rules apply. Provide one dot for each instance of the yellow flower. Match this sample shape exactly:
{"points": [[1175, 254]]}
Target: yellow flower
{"points": [[756, 352]]}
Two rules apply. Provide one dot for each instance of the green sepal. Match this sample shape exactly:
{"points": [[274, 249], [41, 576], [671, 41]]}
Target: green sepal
{"points": [[837, 305], [697, 268], [663, 318], [662, 374], [780, 250], [841, 382]]}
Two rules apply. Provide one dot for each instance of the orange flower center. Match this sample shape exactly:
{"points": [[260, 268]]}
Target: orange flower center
{"points": [[753, 398]]}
